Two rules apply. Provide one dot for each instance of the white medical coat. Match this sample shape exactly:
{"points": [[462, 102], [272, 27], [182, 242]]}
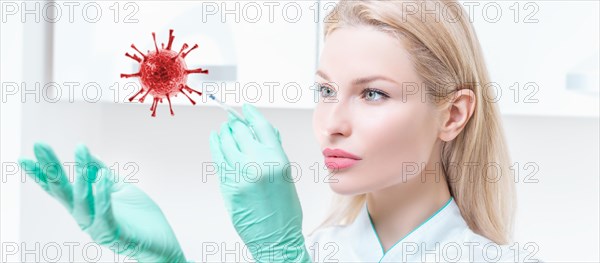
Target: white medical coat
{"points": [[444, 237]]}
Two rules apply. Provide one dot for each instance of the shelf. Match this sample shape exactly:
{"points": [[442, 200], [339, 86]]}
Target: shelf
{"points": [[526, 60], [246, 57]]}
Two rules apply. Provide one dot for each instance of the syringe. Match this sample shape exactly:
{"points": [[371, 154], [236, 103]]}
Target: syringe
{"points": [[232, 111]]}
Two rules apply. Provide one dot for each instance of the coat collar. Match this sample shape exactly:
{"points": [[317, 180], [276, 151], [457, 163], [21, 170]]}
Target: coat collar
{"points": [[445, 222]]}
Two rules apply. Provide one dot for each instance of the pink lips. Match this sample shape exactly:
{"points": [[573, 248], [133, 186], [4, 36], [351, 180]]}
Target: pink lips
{"points": [[339, 159]]}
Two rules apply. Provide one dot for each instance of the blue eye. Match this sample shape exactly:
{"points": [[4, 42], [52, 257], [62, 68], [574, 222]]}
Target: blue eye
{"points": [[327, 89], [369, 92]]}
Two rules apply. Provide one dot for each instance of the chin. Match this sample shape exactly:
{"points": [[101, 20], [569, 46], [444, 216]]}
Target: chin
{"points": [[344, 184]]}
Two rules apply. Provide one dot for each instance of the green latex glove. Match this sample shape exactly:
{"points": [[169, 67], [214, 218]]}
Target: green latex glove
{"points": [[262, 201], [114, 213]]}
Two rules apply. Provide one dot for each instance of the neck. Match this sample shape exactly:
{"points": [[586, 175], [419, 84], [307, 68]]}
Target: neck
{"points": [[397, 210]]}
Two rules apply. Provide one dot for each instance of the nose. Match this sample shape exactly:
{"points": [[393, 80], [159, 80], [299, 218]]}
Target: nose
{"points": [[338, 120]]}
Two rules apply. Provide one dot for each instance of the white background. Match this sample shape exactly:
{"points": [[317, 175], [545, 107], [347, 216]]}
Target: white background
{"points": [[559, 134]]}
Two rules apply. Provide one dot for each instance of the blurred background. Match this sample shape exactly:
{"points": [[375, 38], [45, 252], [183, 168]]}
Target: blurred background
{"points": [[60, 66]]}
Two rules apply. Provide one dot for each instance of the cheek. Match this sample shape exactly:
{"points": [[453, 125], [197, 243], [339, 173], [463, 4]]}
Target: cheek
{"points": [[395, 125], [398, 141], [317, 121]]}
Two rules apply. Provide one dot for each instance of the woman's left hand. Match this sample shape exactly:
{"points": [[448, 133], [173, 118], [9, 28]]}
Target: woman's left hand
{"points": [[114, 213], [258, 189]]}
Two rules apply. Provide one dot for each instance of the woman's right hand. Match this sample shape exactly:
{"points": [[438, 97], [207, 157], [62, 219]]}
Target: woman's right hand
{"points": [[115, 214], [262, 201]]}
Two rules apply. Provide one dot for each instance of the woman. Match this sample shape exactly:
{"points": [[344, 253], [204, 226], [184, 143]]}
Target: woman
{"points": [[416, 151], [415, 145]]}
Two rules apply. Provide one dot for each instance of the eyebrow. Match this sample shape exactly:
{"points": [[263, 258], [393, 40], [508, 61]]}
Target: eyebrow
{"points": [[358, 81]]}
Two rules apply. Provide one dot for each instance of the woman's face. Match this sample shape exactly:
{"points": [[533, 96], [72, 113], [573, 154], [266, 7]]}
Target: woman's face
{"points": [[391, 129]]}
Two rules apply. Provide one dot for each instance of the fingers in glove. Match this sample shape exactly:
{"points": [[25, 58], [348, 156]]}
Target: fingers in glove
{"points": [[216, 152], [34, 172], [242, 135], [58, 183], [229, 147], [278, 135], [265, 132], [83, 198], [104, 229]]}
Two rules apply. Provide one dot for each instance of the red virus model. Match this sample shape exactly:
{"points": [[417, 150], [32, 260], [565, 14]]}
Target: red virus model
{"points": [[163, 73]]}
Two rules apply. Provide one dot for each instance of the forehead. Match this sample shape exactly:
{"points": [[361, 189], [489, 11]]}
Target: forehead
{"points": [[353, 52]]}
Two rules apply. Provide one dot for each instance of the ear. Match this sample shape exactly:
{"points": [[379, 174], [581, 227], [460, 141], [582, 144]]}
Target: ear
{"points": [[455, 117]]}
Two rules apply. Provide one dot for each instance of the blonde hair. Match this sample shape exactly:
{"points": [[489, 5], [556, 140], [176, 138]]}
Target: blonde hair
{"points": [[445, 51]]}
